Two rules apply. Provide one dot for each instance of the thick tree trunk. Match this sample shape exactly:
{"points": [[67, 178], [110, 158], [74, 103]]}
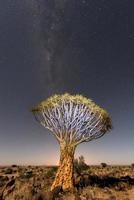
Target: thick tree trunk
{"points": [[64, 176]]}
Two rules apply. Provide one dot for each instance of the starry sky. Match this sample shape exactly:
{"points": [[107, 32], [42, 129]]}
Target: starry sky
{"points": [[57, 46]]}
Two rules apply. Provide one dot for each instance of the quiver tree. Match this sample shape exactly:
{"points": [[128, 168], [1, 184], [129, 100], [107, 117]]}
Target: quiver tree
{"points": [[72, 120]]}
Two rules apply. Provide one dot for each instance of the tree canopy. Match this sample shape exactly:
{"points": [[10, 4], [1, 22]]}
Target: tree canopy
{"points": [[72, 118]]}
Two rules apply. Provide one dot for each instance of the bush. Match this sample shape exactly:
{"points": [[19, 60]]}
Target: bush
{"points": [[14, 165], [27, 175], [3, 180], [132, 165], [80, 165], [54, 168], [103, 165], [8, 171], [51, 172], [122, 186]]}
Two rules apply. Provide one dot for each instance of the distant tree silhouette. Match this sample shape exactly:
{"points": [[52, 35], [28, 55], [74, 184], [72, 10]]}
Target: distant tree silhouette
{"points": [[72, 120], [104, 165]]}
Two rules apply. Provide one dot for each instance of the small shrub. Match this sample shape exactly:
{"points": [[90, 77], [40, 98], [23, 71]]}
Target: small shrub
{"points": [[8, 171], [122, 186], [80, 165], [20, 169], [5, 178], [14, 165], [103, 165], [51, 172], [132, 165], [54, 168], [27, 175]]}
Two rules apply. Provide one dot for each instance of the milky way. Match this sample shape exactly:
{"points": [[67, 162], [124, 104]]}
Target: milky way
{"points": [[75, 46], [50, 37]]}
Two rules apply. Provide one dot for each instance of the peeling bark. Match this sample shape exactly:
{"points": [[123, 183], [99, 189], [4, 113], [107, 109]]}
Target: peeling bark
{"points": [[64, 176]]}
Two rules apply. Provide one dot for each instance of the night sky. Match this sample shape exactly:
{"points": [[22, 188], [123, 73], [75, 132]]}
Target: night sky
{"points": [[57, 46]]}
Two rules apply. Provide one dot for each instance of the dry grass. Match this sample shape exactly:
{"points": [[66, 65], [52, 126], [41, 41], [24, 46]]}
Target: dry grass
{"points": [[95, 183]]}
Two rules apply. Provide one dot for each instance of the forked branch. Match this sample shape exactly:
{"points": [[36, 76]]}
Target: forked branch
{"points": [[73, 119]]}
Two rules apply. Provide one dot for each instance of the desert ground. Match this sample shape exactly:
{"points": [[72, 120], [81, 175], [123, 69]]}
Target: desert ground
{"points": [[100, 182]]}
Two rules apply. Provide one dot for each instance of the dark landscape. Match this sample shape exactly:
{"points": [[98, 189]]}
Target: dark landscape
{"points": [[102, 182], [66, 78]]}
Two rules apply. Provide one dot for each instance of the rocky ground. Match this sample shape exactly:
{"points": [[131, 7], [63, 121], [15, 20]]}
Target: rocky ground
{"points": [[94, 183]]}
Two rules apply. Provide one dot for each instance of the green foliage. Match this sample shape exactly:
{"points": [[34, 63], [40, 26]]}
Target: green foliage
{"points": [[27, 175], [54, 168], [51, 172], [80, 165], [8, 171]]}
